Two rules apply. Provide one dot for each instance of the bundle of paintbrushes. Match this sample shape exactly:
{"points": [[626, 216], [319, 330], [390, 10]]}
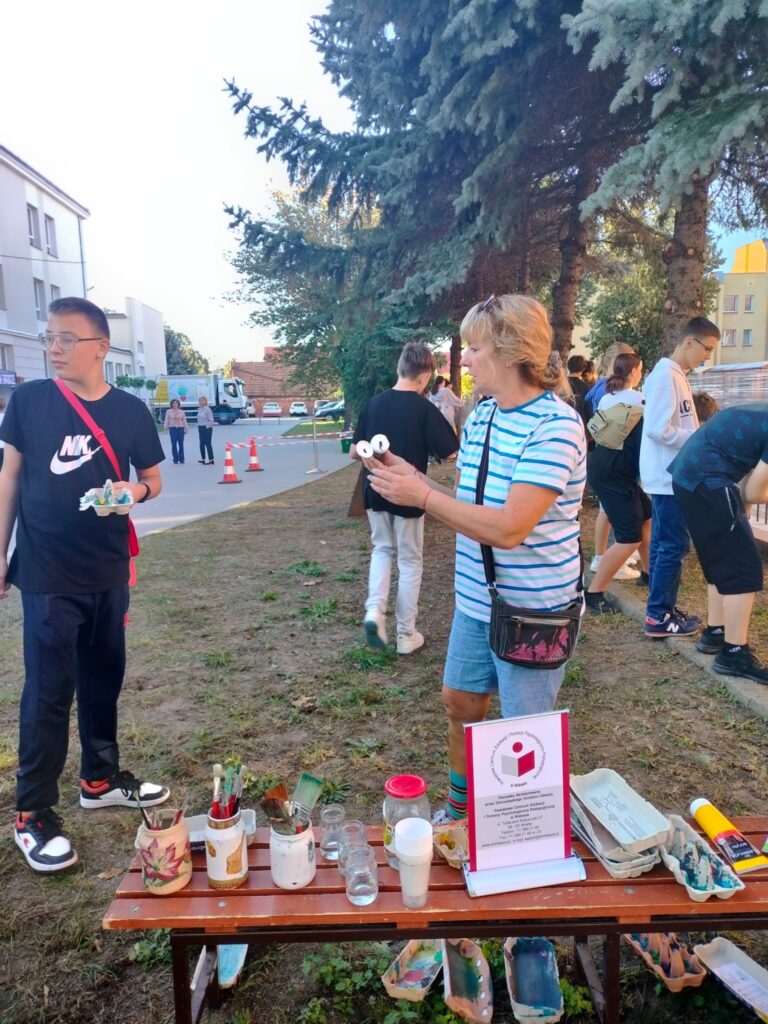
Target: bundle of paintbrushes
{"points": [[291, 815], [158, 818], [227, 791]]}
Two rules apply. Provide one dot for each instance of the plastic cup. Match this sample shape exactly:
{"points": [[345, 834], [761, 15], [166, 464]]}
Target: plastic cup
{"points": [[361, 875], [331, 820], [351, 833], [413, 846]]}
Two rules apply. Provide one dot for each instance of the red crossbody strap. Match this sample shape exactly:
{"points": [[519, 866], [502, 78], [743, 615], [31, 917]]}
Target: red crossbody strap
{"points": [[91, 423], [101, 437]]}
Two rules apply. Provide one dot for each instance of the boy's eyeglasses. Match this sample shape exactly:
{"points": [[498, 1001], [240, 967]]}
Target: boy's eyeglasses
{"points": [[66, 339], [709, 349]]}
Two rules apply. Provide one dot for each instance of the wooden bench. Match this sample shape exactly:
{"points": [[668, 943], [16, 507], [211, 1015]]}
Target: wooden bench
{"points": [[259, 913]]}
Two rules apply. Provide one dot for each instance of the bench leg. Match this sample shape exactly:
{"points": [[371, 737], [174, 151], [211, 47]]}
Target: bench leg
{"points": [[612, 983], [586, 971], [190, 995], [182, 999]]}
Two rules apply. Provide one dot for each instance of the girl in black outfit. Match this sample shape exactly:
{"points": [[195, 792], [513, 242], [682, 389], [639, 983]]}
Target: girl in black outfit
{"points": [[614, 476]]}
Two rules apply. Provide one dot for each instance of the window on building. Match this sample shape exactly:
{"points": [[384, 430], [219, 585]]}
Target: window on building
{"points": [[109, 372], [33, 222], [39, 298], [748, 302], [747, 337], [55, 292], [729, 337], [50, 236], [2, 291], [140, 346], [730, 304], [5, 357]]}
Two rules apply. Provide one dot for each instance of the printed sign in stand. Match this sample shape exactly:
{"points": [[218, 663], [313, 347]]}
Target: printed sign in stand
{"points": [[518, 801]]}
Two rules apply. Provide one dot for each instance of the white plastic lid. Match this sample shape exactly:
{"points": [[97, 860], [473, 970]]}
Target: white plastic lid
{"points": [[413, 837], [697, 804]]}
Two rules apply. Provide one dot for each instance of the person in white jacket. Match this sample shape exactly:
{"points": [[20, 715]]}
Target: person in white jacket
{"points": [[669, 420]]}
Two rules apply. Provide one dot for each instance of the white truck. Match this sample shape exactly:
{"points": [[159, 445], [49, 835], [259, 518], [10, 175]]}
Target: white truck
{"points": [[225, 395]]}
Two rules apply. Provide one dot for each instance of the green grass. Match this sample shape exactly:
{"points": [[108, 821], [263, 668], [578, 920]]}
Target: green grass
{"points": [[322, 426]]}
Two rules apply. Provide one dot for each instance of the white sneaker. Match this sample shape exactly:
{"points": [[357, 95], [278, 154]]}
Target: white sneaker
{"points": [[375, 629], [594, 565], [624, 572], [407, 643]]}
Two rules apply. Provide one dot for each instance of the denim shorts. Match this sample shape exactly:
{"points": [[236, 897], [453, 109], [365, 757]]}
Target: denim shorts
{"points": [[471, 666]]}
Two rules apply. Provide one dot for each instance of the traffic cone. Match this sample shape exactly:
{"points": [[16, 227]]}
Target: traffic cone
{"points": [[254, 466], [230, 476]]}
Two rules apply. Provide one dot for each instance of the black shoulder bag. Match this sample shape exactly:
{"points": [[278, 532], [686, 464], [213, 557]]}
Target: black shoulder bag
{"points": [[530, 639]]}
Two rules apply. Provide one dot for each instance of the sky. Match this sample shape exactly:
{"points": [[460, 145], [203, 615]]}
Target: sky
{"points": [[124, 109]]}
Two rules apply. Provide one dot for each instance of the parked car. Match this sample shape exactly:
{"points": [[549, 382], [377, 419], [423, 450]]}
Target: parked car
{"points": [[333, 411], [250, 408], [298, 409], [271, 409]]}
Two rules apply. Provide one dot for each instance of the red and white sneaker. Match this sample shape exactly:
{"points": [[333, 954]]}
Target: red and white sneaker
{"points": [[122, 790], [40, 838]]}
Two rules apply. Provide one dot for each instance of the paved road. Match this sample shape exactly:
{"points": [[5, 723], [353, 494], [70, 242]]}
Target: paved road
{"points": [[192, 491]]}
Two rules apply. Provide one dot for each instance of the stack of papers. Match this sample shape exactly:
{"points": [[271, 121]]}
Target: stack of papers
{"points": [[621, 828]]}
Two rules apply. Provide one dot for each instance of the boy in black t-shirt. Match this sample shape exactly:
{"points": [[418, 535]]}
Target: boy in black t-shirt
{"points": [[720, 468], [73, 571], [415, 429]]}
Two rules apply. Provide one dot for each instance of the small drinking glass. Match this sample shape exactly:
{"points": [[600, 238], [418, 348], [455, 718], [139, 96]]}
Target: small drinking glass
{"points": [[351, 833], [361, 877], [331, 820]]}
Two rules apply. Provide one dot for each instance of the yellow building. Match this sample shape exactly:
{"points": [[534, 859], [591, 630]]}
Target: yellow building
{"points": [[742, 307]]}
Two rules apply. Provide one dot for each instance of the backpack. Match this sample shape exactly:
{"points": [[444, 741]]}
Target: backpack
{"points": [[612, 427]]}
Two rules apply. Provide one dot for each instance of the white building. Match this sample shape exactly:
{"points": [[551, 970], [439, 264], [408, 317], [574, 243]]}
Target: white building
{"points": [[138, 342], [41, 259]]}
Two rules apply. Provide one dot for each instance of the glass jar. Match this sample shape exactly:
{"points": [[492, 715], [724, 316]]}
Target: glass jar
{"points": [[406, 798]]}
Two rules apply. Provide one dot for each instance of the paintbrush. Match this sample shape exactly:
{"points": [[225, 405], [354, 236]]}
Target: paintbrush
{"points": [[278, 819], [307, 792], [218, 771]]}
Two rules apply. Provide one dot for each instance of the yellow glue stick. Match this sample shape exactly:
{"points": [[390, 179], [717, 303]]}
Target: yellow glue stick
{"points": [[738, 851]]}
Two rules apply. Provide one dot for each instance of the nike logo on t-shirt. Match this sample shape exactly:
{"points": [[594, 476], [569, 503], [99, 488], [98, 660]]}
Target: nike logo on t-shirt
{"points": [[75, 449]]}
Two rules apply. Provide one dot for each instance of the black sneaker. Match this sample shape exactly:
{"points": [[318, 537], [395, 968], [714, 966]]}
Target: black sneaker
{"points": [[672, 624], [644, 580], [742, 663], [41, 840], [710, 642], [600, 603], [122, 790]]}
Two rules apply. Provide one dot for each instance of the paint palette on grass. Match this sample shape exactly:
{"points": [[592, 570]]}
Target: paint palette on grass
{"points": [[670, 960], [740, 974], [695, 865], [467, 987], [533, 980], [415, 969]]}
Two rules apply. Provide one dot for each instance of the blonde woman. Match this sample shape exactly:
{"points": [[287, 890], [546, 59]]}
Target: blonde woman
{"points": [[205, 431], [528, 515]]}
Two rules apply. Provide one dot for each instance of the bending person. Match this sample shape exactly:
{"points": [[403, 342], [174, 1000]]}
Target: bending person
{"points": [[528, 513]]}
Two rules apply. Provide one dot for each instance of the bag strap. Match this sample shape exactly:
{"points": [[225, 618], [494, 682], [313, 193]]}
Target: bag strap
{"points": [[487, 551], [109, 451], [91, 423]]}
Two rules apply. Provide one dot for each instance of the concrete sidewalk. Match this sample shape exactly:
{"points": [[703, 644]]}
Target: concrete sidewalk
{"points": [[753, 696]]}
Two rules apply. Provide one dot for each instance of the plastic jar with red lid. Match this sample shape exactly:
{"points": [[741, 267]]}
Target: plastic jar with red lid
{"points": [[406, 798]]}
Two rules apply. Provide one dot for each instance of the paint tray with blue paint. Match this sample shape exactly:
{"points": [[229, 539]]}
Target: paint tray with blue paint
{"points": [[467, 986], [415, 969], [533, 980]]}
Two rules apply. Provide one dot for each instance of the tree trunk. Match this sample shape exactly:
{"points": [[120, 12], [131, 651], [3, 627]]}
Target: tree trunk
{"points": [[684, 258], [456, 364], [524, 264], [573, 249]]}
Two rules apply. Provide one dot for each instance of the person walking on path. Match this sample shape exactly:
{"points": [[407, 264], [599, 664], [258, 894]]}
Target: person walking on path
{"points": [[720, 469], [3, 405], [445, 400], [205, 432], [72, 568], [176, 425], [415, 430], [669, 420], [579, 387], [613, 475], [528, 516]]}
